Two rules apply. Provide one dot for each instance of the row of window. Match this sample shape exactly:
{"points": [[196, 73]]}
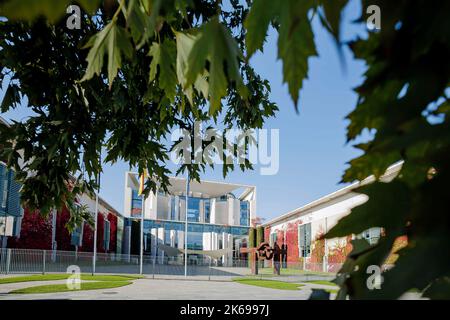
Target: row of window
{"points": [[193, 214], [76, 237], [9, 193], [305, 237], [194, 227]]}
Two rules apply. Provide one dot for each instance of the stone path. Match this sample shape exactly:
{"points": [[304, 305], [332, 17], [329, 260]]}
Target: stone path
{"points": [[154, 289], [150, 289]]}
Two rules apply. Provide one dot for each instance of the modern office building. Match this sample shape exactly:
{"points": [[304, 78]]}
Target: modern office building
{"points": [[302, 228], [11, 211], [219, 216]]}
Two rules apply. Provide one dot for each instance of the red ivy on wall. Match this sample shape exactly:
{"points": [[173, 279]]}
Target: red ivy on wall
{"points": [[340, 251], [318, 251], [36, 232], [62, 235], [267, 234], [113, 232], [292, 241]]}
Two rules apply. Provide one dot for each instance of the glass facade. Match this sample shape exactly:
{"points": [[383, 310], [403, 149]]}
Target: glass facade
{"points": [[3, 188], [168, 225], [136, 204], [9, 193], [172, 208], [194, 227], [195, 241], [167, 237], [245, 213], [207, 210], [193, 209]]}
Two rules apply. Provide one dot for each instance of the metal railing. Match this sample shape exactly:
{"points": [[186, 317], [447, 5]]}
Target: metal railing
{"points": [[26, 261]]}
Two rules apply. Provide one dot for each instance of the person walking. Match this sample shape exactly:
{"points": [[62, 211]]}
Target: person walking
{"points": [[284, 254], [276, 258]]}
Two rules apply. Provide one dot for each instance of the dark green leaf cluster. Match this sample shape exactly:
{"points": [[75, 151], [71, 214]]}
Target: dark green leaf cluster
{"points": [[122, 83], [404, 102]]}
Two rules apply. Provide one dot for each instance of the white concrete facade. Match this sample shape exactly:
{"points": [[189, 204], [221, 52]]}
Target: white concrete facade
{"points": [[321, 215], [212, 206]]}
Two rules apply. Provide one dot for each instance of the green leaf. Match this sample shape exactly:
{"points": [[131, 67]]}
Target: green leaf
{"points": [[90, 5], [51, 9], [11, 97], [422, 262], [295, 44], [444, 107], [164, 56], [155, 53], [113, 41], [333, 10], [377, 212], [137, 20], [216, 46], [257, 22], [185, 42], [439, 289]]}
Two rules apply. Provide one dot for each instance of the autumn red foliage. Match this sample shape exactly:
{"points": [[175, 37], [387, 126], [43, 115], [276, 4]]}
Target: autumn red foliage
{"points": [[36, 233]]}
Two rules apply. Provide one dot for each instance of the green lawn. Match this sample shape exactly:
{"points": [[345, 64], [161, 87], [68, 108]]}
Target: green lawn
{"points": [[289, 272], [272, 284], [52, 277], [63, 287]]}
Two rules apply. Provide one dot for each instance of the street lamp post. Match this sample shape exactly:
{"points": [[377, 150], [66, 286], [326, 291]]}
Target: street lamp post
{"points": [[186, 225], [94, 256], [141, 253]]}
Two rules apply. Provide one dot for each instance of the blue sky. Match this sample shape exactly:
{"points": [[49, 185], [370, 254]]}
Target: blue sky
{"points": [[313, 150]]}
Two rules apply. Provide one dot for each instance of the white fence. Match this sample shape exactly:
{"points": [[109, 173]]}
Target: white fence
{"points": [[26, 261]]}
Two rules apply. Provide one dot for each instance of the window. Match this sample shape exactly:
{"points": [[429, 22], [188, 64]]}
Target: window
{"points": [[76, 238], [136, 204], [14, 207], [372, 235], [167, 237], [106, 234], [245, 214], [193, 213], [207, 210], [9, 193], [172, 208], [273, 238], [195, 241], [193, 227], [304, 240], [3, 187]]}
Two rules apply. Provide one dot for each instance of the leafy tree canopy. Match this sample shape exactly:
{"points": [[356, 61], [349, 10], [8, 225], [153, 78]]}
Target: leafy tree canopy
{"points": [[170, 63]]}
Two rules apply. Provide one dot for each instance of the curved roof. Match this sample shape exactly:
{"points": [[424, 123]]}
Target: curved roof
{"points": [[208, 188]]}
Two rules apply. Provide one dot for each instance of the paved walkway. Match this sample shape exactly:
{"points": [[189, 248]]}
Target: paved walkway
{"points": [[149, 289], [156, 289], [7, 287]]}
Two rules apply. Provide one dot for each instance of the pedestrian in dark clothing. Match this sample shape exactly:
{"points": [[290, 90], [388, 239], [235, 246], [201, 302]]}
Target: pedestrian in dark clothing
{"points": [[276, 258], [284, 255]]}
